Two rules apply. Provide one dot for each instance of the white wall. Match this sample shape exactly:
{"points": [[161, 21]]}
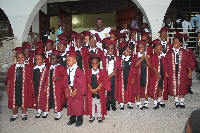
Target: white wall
{"points": [[35, 25]]}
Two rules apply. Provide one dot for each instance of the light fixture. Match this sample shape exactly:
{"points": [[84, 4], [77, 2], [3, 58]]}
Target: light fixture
{"points": [[74, 20]]}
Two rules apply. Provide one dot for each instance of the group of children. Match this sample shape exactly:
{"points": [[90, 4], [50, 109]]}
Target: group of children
{"points": [[91, 79]]}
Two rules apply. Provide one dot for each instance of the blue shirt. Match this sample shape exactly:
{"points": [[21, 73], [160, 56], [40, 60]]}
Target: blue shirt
{"points": [[197, 19]]}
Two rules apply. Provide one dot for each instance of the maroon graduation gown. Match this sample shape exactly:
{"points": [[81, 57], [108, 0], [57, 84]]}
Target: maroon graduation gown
{"points": [[84, 54], [27, 91], [102, 77]]}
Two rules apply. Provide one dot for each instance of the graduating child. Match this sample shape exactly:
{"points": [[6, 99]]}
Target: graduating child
{"points": [[75, 91], [40, 75], [125, 91], [178, 64], [158, 90], [121, 37], [19, 85], [62, 45], [133, 39], [141, 74], [97, 82], [126, 31], [163, 39], [111, 64], [146, 38], [86, 41], [48, 50], [28, 54], [113, 35], [55, 87]]}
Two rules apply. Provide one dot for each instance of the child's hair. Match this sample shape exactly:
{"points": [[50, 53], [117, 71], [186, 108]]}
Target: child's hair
{"points": [[92, 58], [99, 19], [42, 54], [146, 25], [180, 39], [194, 121], [110, 44], [122, 50], [20, 53], [93, 38], [58, 57]]}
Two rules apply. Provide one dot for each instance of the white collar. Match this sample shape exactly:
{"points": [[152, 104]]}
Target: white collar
{"points": [[53, 66], [72, 67], [176, 50], [140, 55], [95, 72], [79, 49], [164, 43], [109, 55], [39, 67], [126, 58], [63, 54], [132, 41], [20, 65], [92, 49], [49, 52]]}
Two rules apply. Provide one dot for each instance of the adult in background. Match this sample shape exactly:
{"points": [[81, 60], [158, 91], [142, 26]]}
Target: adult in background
{"points": [[197, 20], [134, 23]]}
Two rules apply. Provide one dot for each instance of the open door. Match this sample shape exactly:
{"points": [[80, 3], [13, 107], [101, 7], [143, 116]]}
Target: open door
{"points": [[127, 15], [44, 22], [67, 20]]}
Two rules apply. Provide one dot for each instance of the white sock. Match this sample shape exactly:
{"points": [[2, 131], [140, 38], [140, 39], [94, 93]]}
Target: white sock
{"points": [[146, 102], [45, 113], [121, 104], [159, 99], [58, 115], [138, 103], [181, 100], [176, 100], [129, 103], [39, 111], [23, 115], [14, 116], [155, 102]]}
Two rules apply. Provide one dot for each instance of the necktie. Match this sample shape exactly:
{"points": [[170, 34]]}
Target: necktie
{"points": [[92, 51], [177, 58], [111, 58], [164, 48], [69, 82], [77, 51]]}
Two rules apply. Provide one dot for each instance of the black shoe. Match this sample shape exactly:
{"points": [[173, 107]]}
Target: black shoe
{"points": [[92, 119], [121, 108], [189, 90], [161, 104], [156, 107], [145, 106], [66, 105], [44, 116], [57, 118], [140, 106], [78, 124], [182, 106], [99, 119], [13, 119], [177, 104], [24, 117], [38, 116], [108, 108], [114, 108], [71, 122], [130, 106]]}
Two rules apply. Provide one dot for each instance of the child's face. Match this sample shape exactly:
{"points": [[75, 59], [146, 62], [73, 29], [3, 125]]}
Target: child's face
{"points": [[92, 43], [54, 60], [144, 38], [112, 37], [176, 43], [143, 26], [132, 36], [48, 46], [39, 60], [110, 49], [127, 52], [121, 39], [71, 61], [95, 64], [141, 48], [20, 58], [125, 26], [159, 49], [87, 39], [26, 52], [168, 20], [61, 47], [78, 43], [163, 35]]}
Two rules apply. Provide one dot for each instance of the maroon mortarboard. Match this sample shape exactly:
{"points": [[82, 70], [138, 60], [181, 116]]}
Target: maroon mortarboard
{"points": [[179, 35], [141, 42], [49, 41], [39, 50], [121, 35], [72, 53], [123, 44], [96, 37], [164, 29], [39, 44], [185, 37], [111, 42], [60, 36], [56, 52], [86, 33], [105, 40], [25, 45], [95, 55], [145, 34], [156, 41], [63, 41], [73, 33], [78, 36], [132, 30], [18, 49], [112, 32]]}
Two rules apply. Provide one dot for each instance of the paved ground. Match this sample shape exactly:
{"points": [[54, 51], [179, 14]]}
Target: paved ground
{"points": [[167, 120]]}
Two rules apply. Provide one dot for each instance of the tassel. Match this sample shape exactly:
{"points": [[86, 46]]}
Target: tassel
{"points": [[45, 49], [74, 43], [101, 66], [136, 36], [167, 37], [56, 47]]}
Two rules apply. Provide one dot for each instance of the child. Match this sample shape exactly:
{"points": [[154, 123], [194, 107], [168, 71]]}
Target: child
{"points": [[145, 27], [133, 39], [55, 87], [86, 35], [28, 54], [126, 31], [158, 89], [76, 90], [111, 64], [97, 82], [121, 37], [146, 38], [40, 74], [178, 64], [141, 74], [60, 29], [62, 45], [125, 92], [48, 50], [163, 39], [19, 86], [113, 35]]}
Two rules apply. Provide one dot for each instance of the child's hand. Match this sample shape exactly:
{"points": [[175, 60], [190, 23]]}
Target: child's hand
{"points": [[95, 91], [100, 85], [56, 78], [45, 90], [133, 81], [158, 76], [167, 75], [143, 56], [190, 75], [74, 93]]}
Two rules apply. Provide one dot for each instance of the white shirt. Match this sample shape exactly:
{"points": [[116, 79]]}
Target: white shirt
{"points": [[20, 65], [48, 36], [127, 36], [67, 48], [186, 24], [39, 67], [176, 51], [103, 34], [94, 49], [53, 66], [140, 55], [95, 72], [79, 49], [72, 73], [126, 58], [48, 52], [110, 65], [99, 45]]}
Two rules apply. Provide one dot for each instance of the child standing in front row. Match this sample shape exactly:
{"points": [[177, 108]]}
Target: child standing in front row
{"points": [[19, 86], [97, 82], [179, 66]]}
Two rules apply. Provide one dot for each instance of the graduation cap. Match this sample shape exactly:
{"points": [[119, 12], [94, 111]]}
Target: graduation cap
{"points": [[39, 44], [179, 35], [63, 41], [73, 33], [50, 41], [18, 50], [62, 35], [105, 40], [121, 35], [72, 53], [141, 42], [78, 36], [25, 45], [123, 44], [39, 50], [132, 30], [112, 32], [56, 52], [156, 41], [185, 37], [94, 55], [111, 42], [86, 33], [145, 34], [164, 29]]}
